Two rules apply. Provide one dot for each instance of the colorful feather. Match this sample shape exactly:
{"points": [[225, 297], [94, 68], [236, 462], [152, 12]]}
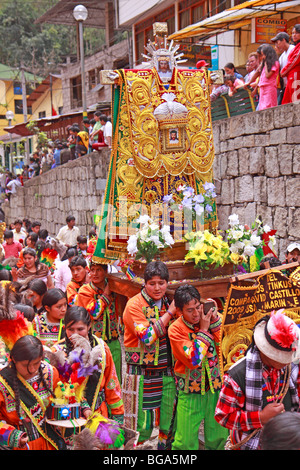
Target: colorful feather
{"points": [[13, 329], [108, 431], [285, 332]]}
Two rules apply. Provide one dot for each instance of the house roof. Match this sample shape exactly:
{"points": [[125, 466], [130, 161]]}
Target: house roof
{"points": [[10, 74], [41, 89]]}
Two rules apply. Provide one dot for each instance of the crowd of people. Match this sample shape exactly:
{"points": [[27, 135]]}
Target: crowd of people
{"points": [[168, 374], [273, 72], [82, 139]]}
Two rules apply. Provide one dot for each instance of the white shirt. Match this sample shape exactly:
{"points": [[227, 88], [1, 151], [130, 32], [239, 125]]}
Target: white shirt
{"points": [[12, 185], [107, 131], [283, 60], [62, 275], [19, 235], [68, 236]]}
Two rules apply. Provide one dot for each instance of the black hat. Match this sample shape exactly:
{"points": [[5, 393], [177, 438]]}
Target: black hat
{"points": [[281, 36]]}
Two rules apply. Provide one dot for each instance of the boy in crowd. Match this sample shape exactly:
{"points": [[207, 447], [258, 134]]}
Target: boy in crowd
{"points": [[100, 302], [82, 245], [149, 388], [194, 338], [19, 232], [11, 247], [79, 271]]}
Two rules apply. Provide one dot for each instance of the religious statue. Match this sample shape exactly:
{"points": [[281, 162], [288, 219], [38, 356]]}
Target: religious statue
{"points": [[162, 139]]}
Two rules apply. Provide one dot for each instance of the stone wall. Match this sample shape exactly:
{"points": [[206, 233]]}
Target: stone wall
{"points": [[77, 188], [256, 169]]}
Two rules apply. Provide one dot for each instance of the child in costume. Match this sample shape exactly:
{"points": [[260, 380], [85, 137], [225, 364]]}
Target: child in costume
{"points": [[102, 390], [101, 304], [49, 325], [79, 270], [26, 385], [149, 383], [263, 384], [194, 339]]}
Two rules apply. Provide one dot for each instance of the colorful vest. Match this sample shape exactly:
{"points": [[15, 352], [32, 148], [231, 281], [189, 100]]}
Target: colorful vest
{"points": [[207, 376], [34, 398], [156, 356]]}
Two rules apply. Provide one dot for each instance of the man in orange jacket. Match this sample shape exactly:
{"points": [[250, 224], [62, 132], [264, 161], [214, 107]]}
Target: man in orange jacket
{"points": [[194, 339]]}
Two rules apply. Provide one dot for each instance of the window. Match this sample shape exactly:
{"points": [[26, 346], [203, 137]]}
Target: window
{"points": [[42, 114], [17, 88], [76, 92], [19, 107], [92, 79]]}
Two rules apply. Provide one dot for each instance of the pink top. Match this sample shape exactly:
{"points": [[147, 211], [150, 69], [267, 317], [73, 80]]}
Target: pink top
{"points": [[12, 250], [271, 81]]}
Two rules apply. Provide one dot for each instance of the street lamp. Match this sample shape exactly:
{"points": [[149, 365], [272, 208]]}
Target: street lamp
{"points": [[80, 14], [9, 116]]}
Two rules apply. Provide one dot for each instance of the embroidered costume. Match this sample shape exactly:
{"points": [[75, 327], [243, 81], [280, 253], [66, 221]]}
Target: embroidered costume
{"points": [[103, 313], [199, 382], [34, 399], [149, 383], [72, 291], [48, 333], [102, 391]]}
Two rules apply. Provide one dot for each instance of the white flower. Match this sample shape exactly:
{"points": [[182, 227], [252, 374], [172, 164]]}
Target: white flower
{"points": [[272, 240], [168, 239], [132, 245], [249, 250], [154, 227], [255, 240], [266, 228], [233, 220], [143, 234], [236, 247], [236, 234], [155, 239], [143, 219]]}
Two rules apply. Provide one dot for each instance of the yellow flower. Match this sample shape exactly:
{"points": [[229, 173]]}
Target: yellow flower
{"points": [[235, 257]]}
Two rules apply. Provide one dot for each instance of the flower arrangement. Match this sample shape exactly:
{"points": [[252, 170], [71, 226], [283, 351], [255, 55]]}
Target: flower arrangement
{"points": [[149, 239], [245, 242], [207, 249], [186, 199]]}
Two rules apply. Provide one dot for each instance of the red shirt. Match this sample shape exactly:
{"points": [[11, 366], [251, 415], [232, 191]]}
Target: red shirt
{"points": [[12, 250]]}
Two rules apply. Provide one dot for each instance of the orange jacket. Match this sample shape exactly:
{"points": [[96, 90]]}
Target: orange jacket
{"points": [[196, 351]]}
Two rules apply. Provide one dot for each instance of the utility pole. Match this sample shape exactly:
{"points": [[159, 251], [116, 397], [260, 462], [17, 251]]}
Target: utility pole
{"points": [[24, 102]]}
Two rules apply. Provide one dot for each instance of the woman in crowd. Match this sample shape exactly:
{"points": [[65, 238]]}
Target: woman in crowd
{"points": [[49, 325], [26, 384], [33, 268], [231, 70], [36, 291], [292, 70], [103, 390], [269, 78]]}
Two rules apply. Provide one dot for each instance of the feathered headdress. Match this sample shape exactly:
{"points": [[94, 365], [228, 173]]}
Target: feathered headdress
{"points": [[13, 324], [108, 431], [282, 330], [75, 370], [277, 337]]}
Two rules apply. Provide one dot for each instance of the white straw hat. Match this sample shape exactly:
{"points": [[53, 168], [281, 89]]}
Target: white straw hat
{"points": [[277, 337]]}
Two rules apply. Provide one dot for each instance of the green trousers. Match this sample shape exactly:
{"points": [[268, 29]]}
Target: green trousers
{"points": [[192, 408], [116, 352]]}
